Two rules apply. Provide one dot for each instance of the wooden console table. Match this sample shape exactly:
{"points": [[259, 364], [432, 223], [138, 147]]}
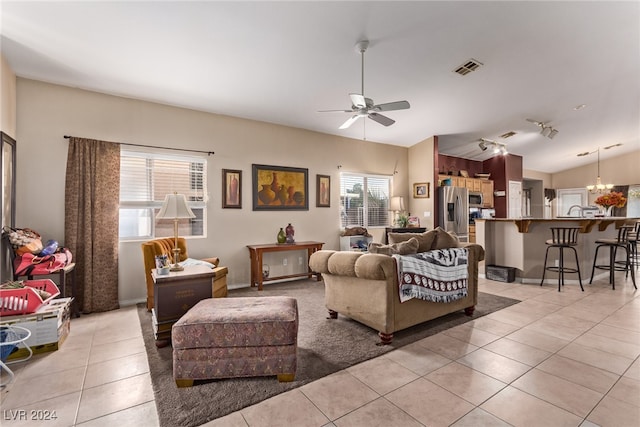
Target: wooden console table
{"points": [[256, 252]]}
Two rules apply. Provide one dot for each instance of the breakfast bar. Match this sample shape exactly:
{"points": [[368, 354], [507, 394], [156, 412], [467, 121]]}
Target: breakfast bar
{"points": [[520, 243]]}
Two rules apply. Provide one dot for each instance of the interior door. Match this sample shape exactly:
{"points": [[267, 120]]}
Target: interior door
{"points": [[514, 202]]}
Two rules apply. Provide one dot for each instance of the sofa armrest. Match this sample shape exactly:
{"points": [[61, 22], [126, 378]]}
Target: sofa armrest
{"points": [[476, 250]]}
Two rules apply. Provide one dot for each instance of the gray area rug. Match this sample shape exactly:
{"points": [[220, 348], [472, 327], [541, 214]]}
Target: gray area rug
{"points": [[324, 346]]}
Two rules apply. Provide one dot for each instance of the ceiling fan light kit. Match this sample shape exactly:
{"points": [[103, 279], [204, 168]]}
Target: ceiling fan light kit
{"points": [[365, 107]]}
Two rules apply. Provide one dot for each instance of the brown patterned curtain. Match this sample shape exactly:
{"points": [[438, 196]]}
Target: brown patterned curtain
{"points": [[91, 221]]}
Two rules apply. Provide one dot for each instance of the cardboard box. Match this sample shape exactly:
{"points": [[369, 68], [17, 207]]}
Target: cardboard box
{"points": [[49, 327]]}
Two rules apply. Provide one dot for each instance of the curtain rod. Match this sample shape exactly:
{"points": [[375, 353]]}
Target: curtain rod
{"points": [[208, 153]]}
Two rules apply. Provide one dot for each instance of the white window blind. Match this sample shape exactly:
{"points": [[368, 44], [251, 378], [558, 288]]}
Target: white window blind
{"points": [[145, 179], [364, 200]]}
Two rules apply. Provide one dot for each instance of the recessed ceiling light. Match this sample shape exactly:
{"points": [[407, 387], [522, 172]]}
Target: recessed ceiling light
{"points": [[579, 107]]}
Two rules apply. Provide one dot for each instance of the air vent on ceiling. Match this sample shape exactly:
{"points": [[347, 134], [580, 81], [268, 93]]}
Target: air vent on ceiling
{"points": [[467, 67], [507, 135]]}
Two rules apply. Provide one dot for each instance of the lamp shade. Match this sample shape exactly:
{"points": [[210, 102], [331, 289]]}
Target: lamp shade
{"points": [[175, 206], [396, 203]]}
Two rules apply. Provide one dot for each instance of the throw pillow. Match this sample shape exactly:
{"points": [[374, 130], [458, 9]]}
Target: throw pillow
{"points": [[403, 248], [425, 240], [445, 240]]}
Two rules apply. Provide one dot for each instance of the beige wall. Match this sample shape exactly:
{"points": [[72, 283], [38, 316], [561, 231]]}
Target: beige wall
{"points": [[421, 170], [47, 112], [619, 170], [7, 98]]}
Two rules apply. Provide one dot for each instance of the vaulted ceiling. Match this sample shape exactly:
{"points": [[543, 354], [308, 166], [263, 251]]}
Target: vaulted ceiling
{"points": [[282, 62]]}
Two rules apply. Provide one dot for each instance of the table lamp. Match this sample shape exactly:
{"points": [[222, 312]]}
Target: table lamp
{"points": [[175, 207], [396, 204]]}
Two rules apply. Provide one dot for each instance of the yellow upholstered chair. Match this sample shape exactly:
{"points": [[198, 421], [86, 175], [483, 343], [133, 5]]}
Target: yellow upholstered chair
{"points": [[165, 247]]}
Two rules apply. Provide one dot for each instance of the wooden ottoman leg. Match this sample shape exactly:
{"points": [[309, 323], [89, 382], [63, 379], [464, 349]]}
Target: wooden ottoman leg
{"points": [[286, 378], [469, 310], [332, 314], [184, 383]]}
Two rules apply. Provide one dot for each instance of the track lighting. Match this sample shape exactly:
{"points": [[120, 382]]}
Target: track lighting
{"points": [[545, 130], [498, 147]]}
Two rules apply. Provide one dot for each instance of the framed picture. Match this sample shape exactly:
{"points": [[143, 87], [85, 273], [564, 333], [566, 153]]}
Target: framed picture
{"points": [[323, 191], [231, 188], [421, 190], [8, 180], [280, 188], [414, 221]]}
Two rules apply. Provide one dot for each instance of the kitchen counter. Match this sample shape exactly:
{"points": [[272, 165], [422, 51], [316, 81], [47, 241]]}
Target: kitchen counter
{"points": [[523, 224], [520, 243]]}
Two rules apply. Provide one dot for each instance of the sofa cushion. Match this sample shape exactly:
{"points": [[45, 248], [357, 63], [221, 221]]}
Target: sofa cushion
{"points": [[425, 240], [445, 240], [403, 248]]}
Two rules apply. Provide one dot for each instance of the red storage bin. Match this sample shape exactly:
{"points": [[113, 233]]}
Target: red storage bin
{"points": [[26, 300]]}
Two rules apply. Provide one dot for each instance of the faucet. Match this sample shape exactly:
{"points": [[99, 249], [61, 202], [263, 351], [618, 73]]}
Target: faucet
{"points": [[575, 206]]}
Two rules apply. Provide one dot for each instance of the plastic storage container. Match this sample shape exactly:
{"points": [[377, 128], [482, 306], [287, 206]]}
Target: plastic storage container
{"points": [[26, 300]]}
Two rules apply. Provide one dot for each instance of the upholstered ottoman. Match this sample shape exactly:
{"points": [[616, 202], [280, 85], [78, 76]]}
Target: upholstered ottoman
{"points": [[236, 337]]}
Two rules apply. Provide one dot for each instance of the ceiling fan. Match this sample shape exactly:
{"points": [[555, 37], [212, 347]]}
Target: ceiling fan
{"points": [[545, 128], [365, 107]]}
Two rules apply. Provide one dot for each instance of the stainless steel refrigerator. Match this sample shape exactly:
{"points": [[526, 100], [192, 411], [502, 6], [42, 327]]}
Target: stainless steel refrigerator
{"points": [[454, 211]]}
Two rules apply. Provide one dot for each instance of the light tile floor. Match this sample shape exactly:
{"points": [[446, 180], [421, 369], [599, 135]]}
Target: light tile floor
{"points": [[555, 359]]}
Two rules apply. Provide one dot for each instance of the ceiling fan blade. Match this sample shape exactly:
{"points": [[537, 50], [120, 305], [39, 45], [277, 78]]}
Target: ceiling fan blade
{"points": [[392, 106], [335, 111], [351, 120], [358, 100], [383, 120]]}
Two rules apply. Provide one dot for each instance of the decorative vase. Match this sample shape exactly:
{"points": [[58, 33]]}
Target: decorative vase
{"points": [[266, 195], [282, 238], [608, 211], [274, 184], [282, 195], [290, 232]]}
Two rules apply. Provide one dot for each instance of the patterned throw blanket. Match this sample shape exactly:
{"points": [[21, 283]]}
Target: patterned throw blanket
{"points": [[439, 275]]}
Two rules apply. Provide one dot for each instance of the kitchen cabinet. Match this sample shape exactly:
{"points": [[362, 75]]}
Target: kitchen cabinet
{"points": [[487, 193], [484, 186], [472, 233]]}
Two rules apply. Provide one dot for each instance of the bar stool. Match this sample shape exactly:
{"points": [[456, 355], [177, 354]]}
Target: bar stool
{"points": [[563, 238], [634, 237], [621, 242]]}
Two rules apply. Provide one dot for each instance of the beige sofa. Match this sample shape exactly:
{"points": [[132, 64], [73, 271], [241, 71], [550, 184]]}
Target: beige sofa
{"points": [[364, 287]]}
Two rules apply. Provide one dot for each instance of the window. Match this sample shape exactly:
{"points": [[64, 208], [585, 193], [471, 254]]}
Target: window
{"points": [[145, 179], [568, 197], [364, 200], [633, 202]]}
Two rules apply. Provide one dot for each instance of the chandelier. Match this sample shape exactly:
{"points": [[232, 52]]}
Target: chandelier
{"points": [[599, 187]]}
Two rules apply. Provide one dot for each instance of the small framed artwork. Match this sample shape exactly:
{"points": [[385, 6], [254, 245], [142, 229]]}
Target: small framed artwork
{"points": [[414, 221], [323, 191], [231, 188], [421, 190]]}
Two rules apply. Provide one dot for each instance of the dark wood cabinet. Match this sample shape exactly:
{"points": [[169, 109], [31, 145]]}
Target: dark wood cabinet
{"points": [[402, 230]]}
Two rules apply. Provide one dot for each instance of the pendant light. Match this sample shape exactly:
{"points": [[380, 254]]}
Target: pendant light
{"points": [[599, 187]]}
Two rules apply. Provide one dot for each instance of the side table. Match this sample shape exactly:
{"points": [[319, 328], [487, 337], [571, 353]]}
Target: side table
{"points": [[174, 294]]}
